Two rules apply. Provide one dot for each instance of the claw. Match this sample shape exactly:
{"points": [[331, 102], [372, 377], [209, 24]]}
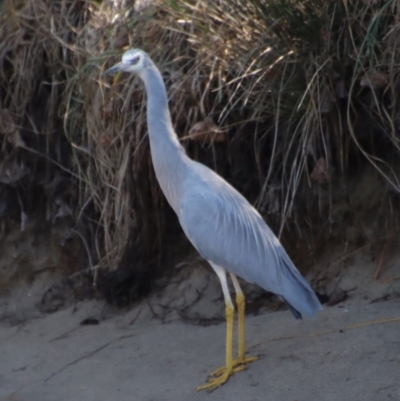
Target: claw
{"points": [[215, 382], [238, 365]]}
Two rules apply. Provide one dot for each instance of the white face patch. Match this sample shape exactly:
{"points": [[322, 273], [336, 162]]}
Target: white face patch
{"points": [[134, 60]]}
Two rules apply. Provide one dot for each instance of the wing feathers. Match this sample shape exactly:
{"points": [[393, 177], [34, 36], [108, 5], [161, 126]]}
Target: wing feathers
{"points": [[226, 229]]}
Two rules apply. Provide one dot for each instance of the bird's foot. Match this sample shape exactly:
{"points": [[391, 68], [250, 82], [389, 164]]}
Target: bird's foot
{"points": [[221, 375], [215, 381], [238, 365]]}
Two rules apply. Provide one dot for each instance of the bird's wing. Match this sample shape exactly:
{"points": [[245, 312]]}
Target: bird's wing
{"points": [[228, 231]]}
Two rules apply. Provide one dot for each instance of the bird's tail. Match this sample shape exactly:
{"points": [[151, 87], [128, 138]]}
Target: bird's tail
{"points": [[298, 295]]}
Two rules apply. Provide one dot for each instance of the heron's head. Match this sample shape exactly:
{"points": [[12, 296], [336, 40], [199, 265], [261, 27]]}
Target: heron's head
{"points": [[133, 61]]}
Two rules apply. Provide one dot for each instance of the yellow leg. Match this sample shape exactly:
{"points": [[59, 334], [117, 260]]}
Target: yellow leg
{"points": [[223, 373], [241, 359]]}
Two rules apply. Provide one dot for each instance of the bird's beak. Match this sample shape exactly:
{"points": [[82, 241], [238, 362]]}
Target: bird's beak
{"points": [[115, 68]]}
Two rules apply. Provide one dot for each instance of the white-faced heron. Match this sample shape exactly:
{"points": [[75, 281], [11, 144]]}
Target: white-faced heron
{"points": [[221, 224]]}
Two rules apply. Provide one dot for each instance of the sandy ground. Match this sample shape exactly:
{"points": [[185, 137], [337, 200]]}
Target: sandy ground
{"points": [[157, 351], [348, 352]]}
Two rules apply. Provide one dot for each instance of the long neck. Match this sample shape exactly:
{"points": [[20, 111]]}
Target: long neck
{"points": [[168, 156]]}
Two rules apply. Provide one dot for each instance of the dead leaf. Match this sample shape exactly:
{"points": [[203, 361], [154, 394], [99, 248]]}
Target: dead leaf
{"points": [[106, 138], [374, 79], [9, 128], [63, 210], [7, 124], [16, 140], [122, 38], [272, 201], [152, 31], [206, 132], [320, 172], [12, 172]]}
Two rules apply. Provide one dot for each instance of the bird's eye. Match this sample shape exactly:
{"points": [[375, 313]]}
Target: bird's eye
{"points": [[134, 60]]}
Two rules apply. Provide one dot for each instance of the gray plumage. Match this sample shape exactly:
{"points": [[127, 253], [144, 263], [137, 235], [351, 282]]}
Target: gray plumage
{"points": [[221, 224]]}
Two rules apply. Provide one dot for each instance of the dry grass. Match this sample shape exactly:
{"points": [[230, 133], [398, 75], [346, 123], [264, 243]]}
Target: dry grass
{"points": [[311, 72], [317, 81]]}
